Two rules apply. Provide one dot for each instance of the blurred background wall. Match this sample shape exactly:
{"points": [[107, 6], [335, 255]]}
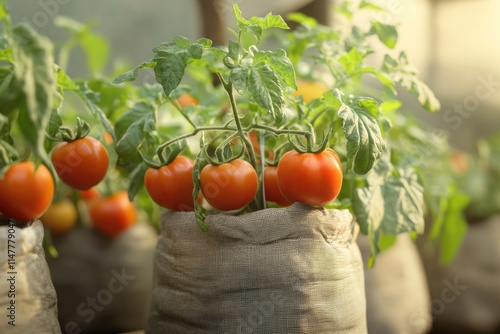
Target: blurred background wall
{"points": [[454, 43]]}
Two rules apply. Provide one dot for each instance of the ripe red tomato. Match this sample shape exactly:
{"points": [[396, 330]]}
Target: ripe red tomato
{"points": [[272, 190], [229, 186], [310, 178], [26, 192], [186, 100], [90, 194], [60, 217], [171, 186], [114, 214], [81, 163]]}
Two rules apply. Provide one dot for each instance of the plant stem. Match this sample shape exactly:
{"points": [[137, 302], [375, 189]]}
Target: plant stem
{"points": [[181, 111], [258, 203], [194, 133]]}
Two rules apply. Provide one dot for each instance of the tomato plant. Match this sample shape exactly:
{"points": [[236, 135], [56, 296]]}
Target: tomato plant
{"points": [[26, 191], [266, 102], [81, 163], [310, 178], [229, 186], [172, 186], [271, 187], [60, 217], [114, 214]]}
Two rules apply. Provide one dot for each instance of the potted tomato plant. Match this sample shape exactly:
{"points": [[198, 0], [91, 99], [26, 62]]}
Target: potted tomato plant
{"points": [[264, 185], [39, 156]]}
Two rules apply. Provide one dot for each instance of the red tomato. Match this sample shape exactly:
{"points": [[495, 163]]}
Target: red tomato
{"points": [[90, 194], [81, 163], [114, 214], [186, 100], [171, 186], [310, 178], [229, 186], [26, 192], [272, 190]]}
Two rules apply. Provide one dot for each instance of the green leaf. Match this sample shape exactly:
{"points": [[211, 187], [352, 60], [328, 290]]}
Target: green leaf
{"points": [[390, 105], [387, 34], [4, 14], [405, 74], [130, 132], [132, 74], [34, 71], [55, 123], [370, 6], [360, 123], [450, 225], [97, 51], [136, 180], [280, 63], [64, 82], [239, 78], [272, 21], [265, 87], [391, 203], [352, 61], [169, 70], [91, 100]]}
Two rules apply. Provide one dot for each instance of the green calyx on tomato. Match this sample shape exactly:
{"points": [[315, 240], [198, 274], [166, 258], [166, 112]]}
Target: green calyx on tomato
{"points": [[171, 186], [26, 191], [310, 178], [112, 215]]}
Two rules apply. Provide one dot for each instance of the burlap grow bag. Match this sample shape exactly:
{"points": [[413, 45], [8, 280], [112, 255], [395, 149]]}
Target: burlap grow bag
{"points": [[104, 285], [397, 294], [291, 270], [27, 297]]}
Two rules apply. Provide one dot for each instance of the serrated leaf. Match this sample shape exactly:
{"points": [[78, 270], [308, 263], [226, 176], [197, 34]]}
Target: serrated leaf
{"points": [[204, 42], [280, 63], [273, 21], [91, 100], [64, 82], [239, 77], [195, 51], [391, 203], [386, 33], [169, 70], [132, 74], [235, 51], [34, 71], [136, 180], [55, 123], [405, 74], [352, 61], [265, 87], [130, 131], [182, 42], [360, 123]]}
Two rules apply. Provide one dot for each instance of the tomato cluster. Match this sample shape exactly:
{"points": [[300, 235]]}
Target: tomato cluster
{"points": [[310, 178]]}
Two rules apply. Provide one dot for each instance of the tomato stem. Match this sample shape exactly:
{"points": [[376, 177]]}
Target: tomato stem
{"points": [[181, 111], [258, 202]]}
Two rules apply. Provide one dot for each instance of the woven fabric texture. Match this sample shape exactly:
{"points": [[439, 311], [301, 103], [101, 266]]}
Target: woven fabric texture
{"points": [[286, 270], [29, 279]]}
